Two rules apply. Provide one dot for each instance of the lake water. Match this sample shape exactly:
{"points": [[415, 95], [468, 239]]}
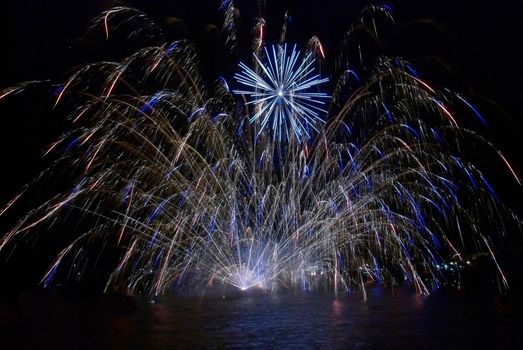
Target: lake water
{"points": [[259, 320]]}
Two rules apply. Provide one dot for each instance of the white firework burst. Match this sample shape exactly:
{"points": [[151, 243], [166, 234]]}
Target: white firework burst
{"points": [[283, 93]]}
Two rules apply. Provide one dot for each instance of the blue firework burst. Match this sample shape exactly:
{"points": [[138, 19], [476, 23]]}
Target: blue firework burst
{"points": [[284, 93]]}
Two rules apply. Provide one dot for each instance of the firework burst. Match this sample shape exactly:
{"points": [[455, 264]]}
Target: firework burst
{"points": [[194, 187], [283, 101]]}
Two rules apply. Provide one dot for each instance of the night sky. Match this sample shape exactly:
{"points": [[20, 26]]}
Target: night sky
{"points": [[475, 43]]}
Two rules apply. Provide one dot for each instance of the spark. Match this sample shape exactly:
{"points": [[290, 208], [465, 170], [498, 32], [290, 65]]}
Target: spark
{"points": [[11, 202]]}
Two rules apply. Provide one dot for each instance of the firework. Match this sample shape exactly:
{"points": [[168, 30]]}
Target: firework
{"points": [[195, 186], [283, 100]]}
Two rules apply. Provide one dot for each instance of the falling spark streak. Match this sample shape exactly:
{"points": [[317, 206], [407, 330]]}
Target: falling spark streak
{"points": [[516, 177], [50, 213], [423, 83], [62, 92], [8, 92], [321, 51], [106, 21], [94, 155], [505, 282], [122, 231], [53, 145], [446, 111], [11, 202], [113, 84], [79, 115]]}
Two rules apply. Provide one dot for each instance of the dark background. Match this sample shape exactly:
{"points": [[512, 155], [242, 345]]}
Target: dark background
{"points": [[478, 42]]}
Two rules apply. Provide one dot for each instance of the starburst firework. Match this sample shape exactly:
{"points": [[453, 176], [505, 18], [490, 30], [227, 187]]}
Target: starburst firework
{"points": [[282, 94]]}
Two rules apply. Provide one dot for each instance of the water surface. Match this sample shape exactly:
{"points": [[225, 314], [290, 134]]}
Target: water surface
{"points": [[258, 320]]}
